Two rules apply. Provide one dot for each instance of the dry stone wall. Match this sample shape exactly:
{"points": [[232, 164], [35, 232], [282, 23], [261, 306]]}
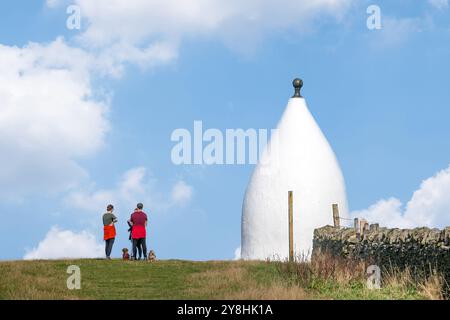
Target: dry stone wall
{"points": [[420, 249]]}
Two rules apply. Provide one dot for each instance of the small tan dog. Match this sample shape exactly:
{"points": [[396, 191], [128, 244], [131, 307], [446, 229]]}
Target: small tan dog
{"points": [[151, 256]]}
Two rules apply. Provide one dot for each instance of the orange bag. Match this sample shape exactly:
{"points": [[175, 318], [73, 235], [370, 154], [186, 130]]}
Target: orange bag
{"points": [[109, 232]]}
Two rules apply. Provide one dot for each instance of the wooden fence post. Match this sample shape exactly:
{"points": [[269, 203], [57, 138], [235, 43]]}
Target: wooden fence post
{"points": [[336, 215], [291, 226], [363, 226], [357, 230]]}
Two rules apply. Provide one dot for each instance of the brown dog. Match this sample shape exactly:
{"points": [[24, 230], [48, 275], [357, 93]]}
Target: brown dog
{"points": [[125, 255], [151, 256]]}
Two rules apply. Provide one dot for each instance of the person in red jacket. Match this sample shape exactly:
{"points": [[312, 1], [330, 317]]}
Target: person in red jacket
{"points": [[138, 221], [109, 231]]}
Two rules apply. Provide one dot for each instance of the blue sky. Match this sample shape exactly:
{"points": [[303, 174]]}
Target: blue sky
{"points": [[380, 96]]}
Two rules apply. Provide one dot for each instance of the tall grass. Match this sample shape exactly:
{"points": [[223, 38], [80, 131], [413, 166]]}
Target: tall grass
{"points": [[345, 278], [244, 280]]}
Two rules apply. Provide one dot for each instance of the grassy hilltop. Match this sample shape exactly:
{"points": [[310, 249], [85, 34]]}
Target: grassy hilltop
{"points": [[176, 279]]}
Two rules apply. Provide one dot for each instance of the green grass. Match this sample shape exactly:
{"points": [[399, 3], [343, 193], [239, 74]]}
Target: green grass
{"points": [[357, 290], [177, 279]]}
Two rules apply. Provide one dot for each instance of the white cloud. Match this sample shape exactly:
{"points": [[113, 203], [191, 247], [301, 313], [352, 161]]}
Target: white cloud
{"points": [[60, 244], [49, 117], [237, 253], [386, 212], [181, 192], [136, 185], [439, 4], [150, 32], [396, 31], [53, 3], [429, 206]]}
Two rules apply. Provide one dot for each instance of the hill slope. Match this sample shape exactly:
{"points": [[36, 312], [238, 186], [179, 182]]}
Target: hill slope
{"points": [[176, 279]]}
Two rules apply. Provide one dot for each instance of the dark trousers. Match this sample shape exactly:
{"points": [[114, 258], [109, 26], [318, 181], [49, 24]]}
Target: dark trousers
{"points": [[139, 244], [108, 246]]}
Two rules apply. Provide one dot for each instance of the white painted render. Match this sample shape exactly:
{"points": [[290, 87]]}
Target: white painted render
{"points": [[298, 158]]}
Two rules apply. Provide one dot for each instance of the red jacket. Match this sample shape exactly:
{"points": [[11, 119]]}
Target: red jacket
{"points": [[109, 232], [139, 219]]}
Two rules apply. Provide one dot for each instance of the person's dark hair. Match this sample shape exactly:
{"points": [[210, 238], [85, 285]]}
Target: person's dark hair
{"points": [[140, 206], [109, 207]]}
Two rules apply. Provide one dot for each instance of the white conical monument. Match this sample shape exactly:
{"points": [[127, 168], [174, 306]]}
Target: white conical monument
{"points": [[297, 158]]}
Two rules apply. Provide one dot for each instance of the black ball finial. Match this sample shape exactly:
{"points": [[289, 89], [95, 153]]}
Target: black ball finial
{"points": [[298, 84]]}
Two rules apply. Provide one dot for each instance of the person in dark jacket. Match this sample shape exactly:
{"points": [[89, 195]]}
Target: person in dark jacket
{"points": [[130, 228]]}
